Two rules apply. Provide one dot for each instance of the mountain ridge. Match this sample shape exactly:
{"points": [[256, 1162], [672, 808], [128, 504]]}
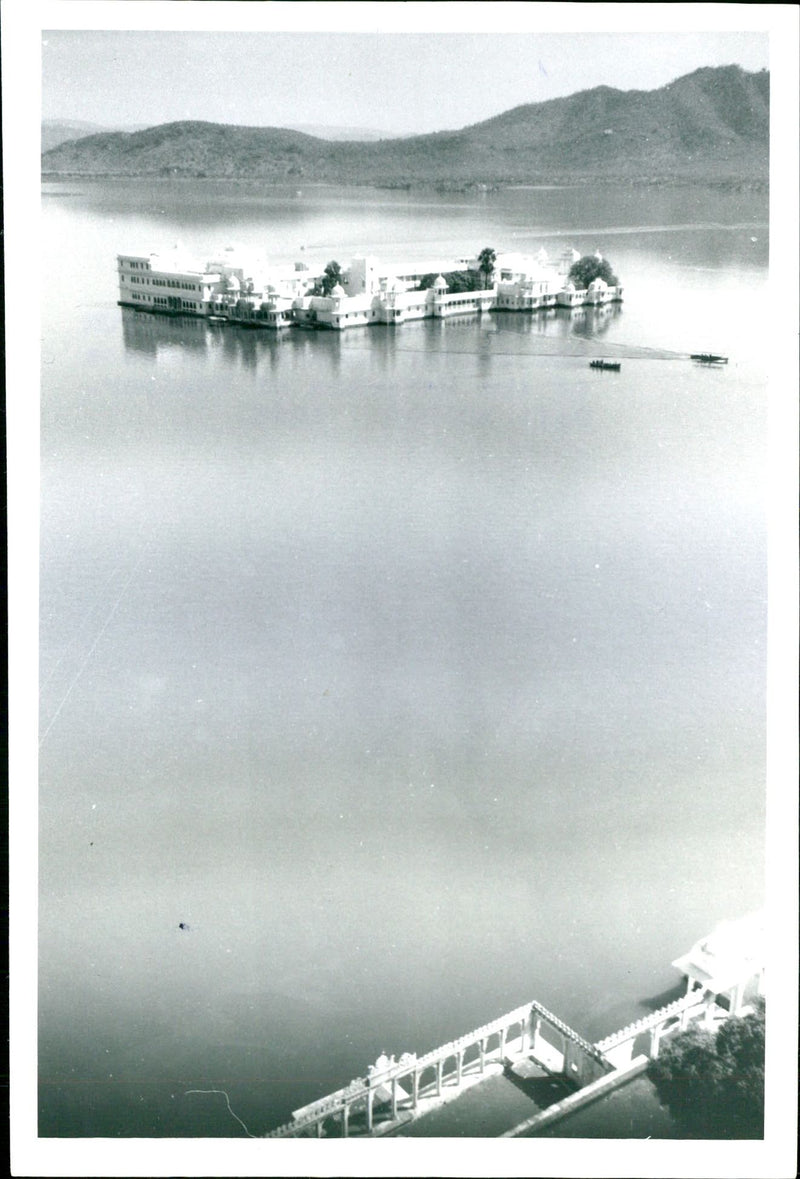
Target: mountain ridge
{"points": [[57, 131], [710, 124]]}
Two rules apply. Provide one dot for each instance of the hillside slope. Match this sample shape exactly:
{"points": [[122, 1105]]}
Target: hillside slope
{"points": [[712, 124], [57, 131]]}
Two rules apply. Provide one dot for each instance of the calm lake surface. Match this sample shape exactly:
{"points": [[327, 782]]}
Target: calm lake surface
{"points": [[418, 672]]}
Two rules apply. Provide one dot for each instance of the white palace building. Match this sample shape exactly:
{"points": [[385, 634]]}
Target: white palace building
{"points": [[256, 293]]}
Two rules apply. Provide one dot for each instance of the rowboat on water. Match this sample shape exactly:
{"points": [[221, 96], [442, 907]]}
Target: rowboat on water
{"points": [[708, 358], [610, 366]]}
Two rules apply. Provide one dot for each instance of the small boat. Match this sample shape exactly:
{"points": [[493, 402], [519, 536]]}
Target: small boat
{"points": [[708, 358], [609, 366]]}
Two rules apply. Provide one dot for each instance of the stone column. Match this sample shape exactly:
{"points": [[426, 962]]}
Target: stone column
{"points": [[318, 1128], [459, 1063], [482, 1046], [415, 1089], [655, 1039], [503, 1034], [736, 995], [394, 1098], [438, 1078], [345, 1121], [708, 1015], [537, 1026], [370, 1096]]}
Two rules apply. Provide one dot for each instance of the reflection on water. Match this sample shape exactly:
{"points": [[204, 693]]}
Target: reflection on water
{"points": [[417, 672], [151, 333], [561, 323], [142, 332]]}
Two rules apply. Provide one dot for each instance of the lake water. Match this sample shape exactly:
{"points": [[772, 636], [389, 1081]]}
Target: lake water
{"points": [[418, 672]]}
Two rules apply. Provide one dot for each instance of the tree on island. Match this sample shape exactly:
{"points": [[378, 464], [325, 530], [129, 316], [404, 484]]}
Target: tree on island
{"points": [[457, 281], [331, 277], [588, 268], [486, 261], [713, 1085]]}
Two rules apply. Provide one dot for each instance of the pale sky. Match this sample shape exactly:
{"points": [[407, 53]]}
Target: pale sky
{"points": [[395, 82]]}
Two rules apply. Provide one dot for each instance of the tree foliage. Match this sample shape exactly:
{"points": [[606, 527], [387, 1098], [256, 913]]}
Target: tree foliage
{"points": [[457, 280], [331, 276], [713, 1085], [588, 268], [486, 261]]}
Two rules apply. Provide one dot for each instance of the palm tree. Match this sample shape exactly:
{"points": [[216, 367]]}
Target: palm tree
{"points": [[486, 261]]}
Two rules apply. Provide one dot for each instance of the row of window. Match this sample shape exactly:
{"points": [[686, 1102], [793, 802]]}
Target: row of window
{"points": [[163, 301], [522, 301], [165, 282], [138, 265], [170, 282]]}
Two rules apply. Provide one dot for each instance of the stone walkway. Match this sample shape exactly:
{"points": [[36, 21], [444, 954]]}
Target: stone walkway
{"points": [[488, 1109]]}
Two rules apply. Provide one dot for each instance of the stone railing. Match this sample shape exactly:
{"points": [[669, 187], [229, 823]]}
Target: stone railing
{"points": [[518, 1015], [408, 1064], [325, 1107], [363, 1089], [689, 1006], [593, 1050]]}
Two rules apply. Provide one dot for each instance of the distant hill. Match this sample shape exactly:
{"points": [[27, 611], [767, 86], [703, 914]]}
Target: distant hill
{"points": [[57, 131], [354, 134], [712, 124]]}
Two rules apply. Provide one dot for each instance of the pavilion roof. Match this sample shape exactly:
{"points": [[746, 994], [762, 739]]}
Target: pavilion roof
{"points": [[733, 952]]}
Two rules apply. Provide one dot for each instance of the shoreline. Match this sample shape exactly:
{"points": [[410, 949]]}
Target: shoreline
{"points": [[442, 187]]}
